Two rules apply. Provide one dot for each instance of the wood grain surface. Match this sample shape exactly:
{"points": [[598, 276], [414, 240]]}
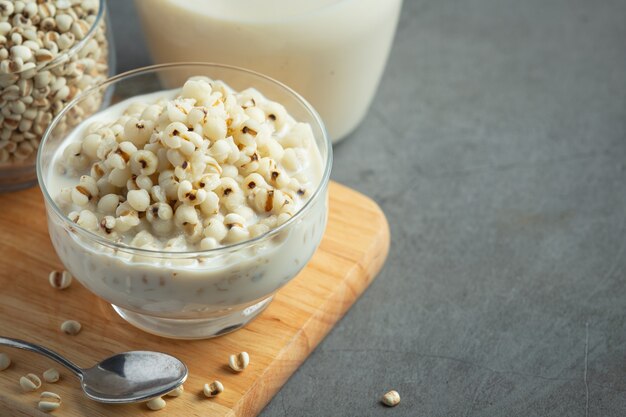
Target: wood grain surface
{"points": [[352, 252]]}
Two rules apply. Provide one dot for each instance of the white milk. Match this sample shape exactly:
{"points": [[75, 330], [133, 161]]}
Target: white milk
{"points": [[332, 52], [179, 286]]}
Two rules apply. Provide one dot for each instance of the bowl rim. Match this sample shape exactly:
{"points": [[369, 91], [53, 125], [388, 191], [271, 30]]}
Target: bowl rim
{"points": [[323, 184]]}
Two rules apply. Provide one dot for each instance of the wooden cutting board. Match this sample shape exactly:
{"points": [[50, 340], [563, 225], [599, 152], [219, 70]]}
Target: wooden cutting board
{"points": [[352, 252]]}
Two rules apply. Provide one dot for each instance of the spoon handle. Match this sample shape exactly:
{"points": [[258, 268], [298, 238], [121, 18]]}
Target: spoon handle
{"points": [[20, 344]]}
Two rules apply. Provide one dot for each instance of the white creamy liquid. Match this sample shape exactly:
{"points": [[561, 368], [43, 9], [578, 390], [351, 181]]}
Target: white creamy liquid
{"points": [[332, 52], [309, 176], [179, 286]]}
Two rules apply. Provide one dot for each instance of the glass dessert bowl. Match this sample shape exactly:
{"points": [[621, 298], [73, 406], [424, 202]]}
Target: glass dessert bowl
{"points": [[188, 293]]}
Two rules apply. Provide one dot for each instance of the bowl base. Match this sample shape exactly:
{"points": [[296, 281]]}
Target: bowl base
{"points": [[194, 328], [17, 179], [11, 187]]}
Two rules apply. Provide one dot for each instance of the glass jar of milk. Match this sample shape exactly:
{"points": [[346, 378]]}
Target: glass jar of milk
{"points": [[332, 52]]}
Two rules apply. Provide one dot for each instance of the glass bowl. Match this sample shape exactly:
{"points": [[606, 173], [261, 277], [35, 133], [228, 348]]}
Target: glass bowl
{"points": [[31, 94], [187, 295]]}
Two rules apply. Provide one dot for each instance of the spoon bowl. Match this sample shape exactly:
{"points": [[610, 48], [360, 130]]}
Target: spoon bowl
{"points": [[133, 376], [127, 377]]}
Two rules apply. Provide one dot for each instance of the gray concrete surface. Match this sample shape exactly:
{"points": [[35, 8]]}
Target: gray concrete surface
{"points": [[497, 148]]}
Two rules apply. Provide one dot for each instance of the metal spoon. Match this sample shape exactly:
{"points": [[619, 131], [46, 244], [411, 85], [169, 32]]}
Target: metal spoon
{"points": [[123, 378]]}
